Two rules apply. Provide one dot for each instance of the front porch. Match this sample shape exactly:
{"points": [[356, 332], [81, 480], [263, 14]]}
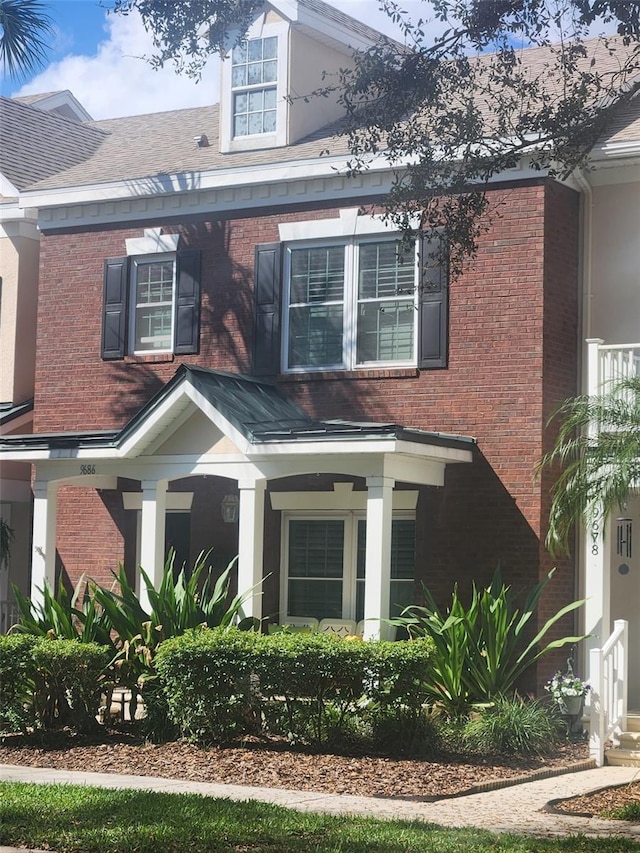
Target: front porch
{"points": [[610, 582], [336, 500]]}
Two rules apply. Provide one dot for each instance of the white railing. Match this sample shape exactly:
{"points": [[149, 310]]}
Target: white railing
{"points": [[9, 615], [610, 363], [608, 675]]}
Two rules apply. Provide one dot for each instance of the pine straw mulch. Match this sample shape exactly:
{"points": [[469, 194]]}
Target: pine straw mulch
{"points": [[275, 764]]}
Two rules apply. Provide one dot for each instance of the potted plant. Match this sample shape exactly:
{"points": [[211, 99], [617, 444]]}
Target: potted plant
{"points": [[568, 690]]}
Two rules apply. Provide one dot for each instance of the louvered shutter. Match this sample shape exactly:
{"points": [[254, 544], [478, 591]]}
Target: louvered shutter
{"points": [[114, 308], [266, 343], [187, 306], [433, 303]]}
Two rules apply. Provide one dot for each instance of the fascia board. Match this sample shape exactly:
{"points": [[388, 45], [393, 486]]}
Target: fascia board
{"points": [[314, 24], [377, 447], [434, 452], [219, 421], [7, 189], [325, 167], [151, 427]]}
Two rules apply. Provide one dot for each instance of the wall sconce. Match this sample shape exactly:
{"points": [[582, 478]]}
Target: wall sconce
{"points": [[229, 508], [623, 537]]}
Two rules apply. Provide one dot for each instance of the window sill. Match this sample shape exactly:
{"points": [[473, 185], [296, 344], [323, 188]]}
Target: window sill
{"points": [[366, 373], [152, 358]]}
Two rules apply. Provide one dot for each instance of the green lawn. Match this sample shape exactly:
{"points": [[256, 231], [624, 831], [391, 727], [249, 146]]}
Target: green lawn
{"points": [[71, 819]]}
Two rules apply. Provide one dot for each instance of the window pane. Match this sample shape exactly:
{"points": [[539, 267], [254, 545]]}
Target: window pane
{"points": [[239, 76], [153, 329], [317, 275], [269, 123], [316, 548], [240, 104], [255, 50], [316, 551], [269, 99], [270, 47], [255, 123], [403, 544], [384, 271], [240, 126], [254, 73], [321, 599], [269, 72], [239, 54], [385, 331], [255, 102], [315, 336]]}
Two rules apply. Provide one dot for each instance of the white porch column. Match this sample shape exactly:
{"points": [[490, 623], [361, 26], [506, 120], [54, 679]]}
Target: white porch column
{"points": [[251, 545], [597, 585], [152, 533], [43, 552], [377, 567]]}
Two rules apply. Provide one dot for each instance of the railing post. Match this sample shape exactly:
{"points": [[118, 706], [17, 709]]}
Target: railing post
{"points": [[621, 626], [596, 710], [594, 377]]}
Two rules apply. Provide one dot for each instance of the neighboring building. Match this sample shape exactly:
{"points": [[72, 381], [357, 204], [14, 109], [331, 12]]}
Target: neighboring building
{"points": [[224, 321], [39, 136]]}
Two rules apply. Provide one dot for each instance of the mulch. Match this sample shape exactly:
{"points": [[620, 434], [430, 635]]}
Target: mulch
{"points": [[276, 765]]}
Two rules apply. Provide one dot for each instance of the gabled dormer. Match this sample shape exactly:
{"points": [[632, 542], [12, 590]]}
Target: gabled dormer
{"points": [[292, 48]]}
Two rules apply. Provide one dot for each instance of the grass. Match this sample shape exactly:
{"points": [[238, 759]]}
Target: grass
{"points": [[630, 811], [74, 819]]}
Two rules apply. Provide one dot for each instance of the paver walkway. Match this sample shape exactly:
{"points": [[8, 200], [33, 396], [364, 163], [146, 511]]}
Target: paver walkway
{"points": [[514, 809]]}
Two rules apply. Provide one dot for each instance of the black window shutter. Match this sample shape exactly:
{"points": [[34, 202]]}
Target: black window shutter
{"points": [[187, 316], [114, 310], [433, 303], [266, 344]]}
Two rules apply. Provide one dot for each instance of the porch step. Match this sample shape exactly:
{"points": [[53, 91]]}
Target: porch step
{"points": [[627, 751]]}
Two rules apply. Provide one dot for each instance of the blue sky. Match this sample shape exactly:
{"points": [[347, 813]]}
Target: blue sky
{"points": [[98, 57]]}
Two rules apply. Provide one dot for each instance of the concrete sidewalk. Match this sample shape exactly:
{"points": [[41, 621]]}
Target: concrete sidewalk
{"points": [[514, 809]]}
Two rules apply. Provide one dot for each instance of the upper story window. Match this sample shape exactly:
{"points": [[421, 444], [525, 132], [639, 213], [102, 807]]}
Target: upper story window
{"points": [[151, 298], [350, 304], [347, 293], [254, 78]]}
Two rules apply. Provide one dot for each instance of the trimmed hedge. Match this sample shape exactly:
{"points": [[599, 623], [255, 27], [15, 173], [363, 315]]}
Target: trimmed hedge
{"points": [[50, 683], [17, 681], [313, 688]]}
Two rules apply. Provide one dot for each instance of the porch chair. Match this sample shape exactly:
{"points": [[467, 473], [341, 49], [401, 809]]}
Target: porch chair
{"points": [[339, 627]]}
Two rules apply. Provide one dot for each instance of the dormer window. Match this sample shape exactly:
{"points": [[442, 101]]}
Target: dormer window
{"points": [[254, 77]]}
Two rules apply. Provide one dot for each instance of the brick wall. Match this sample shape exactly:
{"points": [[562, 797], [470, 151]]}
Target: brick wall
{"points": [[512, 357]]}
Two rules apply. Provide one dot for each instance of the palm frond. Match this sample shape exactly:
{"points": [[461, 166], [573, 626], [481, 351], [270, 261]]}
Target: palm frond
{"points": [[598, 449], [26, 30]]}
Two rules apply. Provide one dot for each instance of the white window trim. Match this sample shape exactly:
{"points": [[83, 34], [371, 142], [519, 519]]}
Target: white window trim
{"points": [[350, 302], [133, 280], [229, 143], [350, 551]]}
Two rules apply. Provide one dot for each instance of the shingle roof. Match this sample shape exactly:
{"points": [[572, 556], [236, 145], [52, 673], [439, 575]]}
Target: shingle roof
{"points": [[149, 146], [35, 144], [344, 20]]}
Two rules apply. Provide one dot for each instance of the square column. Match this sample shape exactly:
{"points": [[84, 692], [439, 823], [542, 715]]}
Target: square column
{"points": [[377, 567], [597, 586], [43, 549], [152, 534], [251, 545]]}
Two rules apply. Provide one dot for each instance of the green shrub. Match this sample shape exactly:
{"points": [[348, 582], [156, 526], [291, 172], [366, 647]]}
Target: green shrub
{"points": [[69, 681], [206, 678], [482, 650], [17, 673], [514, 726], [311, 688]]}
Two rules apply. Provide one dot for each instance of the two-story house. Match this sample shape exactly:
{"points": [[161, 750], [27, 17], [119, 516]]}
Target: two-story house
{"points": [[39, 135], [234, 353]]}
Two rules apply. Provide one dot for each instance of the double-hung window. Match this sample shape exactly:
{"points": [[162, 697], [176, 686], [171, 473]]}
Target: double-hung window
{"points": [[151, 302], [153, 298], [325, 565], [349, 304], [254, 79]]}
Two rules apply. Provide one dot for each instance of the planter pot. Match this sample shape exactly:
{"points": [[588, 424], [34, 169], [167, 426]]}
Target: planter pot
{"points": [[571, 705]]}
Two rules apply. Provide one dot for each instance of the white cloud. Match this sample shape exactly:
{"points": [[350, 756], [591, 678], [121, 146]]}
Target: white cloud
{"points": [[117, 81]]}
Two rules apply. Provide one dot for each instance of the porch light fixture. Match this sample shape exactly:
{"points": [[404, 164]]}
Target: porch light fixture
{"points": [[229, 508], [624, 532]]}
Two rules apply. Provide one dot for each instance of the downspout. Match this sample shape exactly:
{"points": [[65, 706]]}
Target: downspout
{"points": [[584, 332]]}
